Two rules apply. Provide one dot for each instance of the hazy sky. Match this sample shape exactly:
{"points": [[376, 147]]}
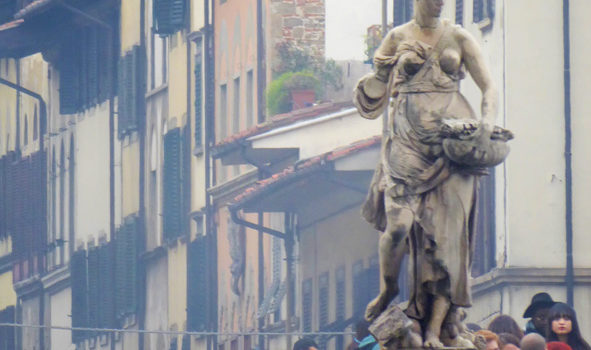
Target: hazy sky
{"points": [[346, 24]]}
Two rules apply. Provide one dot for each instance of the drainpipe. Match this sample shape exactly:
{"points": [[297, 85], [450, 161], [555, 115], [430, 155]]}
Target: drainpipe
{"points": [[568, 154], [209, 141]]}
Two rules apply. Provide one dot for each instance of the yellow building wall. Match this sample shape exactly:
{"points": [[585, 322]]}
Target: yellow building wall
{"points": [[177, 80], [130, 24], [177, 286], [197, 15], [7, 294], [130, 179]]}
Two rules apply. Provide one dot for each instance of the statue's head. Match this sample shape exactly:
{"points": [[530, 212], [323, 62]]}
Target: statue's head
{"points": [[430, 8]]}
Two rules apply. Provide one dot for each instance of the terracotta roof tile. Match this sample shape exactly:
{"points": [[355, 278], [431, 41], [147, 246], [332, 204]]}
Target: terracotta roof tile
{"points": [[302, 167], [285, 119]]}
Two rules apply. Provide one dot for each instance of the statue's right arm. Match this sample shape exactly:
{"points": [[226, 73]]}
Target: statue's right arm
{"points": [[376, 86]]}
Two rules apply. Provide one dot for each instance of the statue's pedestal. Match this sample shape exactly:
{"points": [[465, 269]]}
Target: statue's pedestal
{"points": [[395, 331]]}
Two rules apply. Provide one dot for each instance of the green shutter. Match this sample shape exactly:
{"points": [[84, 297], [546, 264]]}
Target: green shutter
{"points": [[106, 63], [122, 95], [120, 271], [69, 79], [198, 101], [79, 287], [171, 222], [106, 280], [197, 285], [131, 266], [93, 64], [169, 16], [477, 11], [93, 288]]}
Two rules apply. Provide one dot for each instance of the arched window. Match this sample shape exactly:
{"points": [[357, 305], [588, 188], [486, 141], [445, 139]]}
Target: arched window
{"points": [[35, 125]]}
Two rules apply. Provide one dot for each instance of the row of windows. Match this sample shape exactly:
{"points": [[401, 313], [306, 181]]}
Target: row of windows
{"points": [[482, 10], [236, 104]]}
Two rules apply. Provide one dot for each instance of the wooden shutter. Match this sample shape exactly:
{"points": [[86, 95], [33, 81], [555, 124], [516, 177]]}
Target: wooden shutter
{"points": [[105, 54], [323, 300], [171, 221], [373, 279], [78, 275], [70, 78], [106, 283], [198, 285], [359, 288], [477, 11], [307, 305], [460, 12], [122, 94], [93, 64], [169, 16], [120, 271], [131, 265], [3, 230], [93, 288], [198, 100]]}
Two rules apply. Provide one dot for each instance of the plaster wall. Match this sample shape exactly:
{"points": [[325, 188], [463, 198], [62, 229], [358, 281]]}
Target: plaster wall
{"points": [[5, 246], [580, 31], [130, 24], [30, 314], [8, 107], [7, 294], [177, 83], [319, 137], [130, 178], [177, 286], [61, 316], [535, 168], [92, 180], [156, 303], [197, 15]]}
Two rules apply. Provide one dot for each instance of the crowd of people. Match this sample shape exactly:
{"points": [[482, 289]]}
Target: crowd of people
{"points": [[551, 325]]}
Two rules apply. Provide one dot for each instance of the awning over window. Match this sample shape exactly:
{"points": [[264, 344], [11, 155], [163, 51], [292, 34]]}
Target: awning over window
{"points": [[316, 188]]}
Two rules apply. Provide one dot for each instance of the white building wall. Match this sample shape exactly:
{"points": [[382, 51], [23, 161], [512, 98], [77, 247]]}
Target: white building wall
{"points": [[92, 180], [61, 307]]}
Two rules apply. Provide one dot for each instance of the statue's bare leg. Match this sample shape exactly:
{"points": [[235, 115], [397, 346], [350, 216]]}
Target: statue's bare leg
{"points": [[438, 314], [392, 248]]}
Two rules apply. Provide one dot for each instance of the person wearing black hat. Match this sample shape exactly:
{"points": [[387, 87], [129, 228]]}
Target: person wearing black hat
{"points": [[537, 312]]}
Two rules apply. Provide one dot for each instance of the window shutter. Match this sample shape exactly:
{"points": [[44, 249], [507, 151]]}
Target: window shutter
{"points": [[120, 271], [131, 265], [93, 55], [105, 82], [408, 10], [106, 280], [79, 294], [93, 288], [477, 11], [122, 95], [359, 288], [172, 185], [307, 305], [460, 12], [198, 101], [373, 279], [198, 285], [132, 67], [398, 12], [3, 231], [169, 16], [323, 300], [69, 79]]}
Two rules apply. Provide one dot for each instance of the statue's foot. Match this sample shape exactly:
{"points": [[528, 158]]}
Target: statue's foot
{"points": [[462, 342], [414, 340], [432, 340], [377, 306]]}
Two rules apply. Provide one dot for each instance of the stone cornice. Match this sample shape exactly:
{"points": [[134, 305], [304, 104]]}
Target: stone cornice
{"points": [[527, 276]]}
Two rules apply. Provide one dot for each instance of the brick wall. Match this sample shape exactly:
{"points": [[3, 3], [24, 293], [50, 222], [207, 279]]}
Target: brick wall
{"points": [[299, 21]]}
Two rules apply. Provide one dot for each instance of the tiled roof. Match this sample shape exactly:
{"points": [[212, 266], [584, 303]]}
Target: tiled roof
{"points": [[10, 25], [33, 7], [285, 119], [302, 167]]}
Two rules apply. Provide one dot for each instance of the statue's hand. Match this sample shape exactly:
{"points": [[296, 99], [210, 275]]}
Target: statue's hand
{"points": [[483, 132], [374, 88]]}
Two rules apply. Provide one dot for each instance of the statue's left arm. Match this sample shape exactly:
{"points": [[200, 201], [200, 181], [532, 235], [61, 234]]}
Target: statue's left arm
{"points": [[476, 65]]}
